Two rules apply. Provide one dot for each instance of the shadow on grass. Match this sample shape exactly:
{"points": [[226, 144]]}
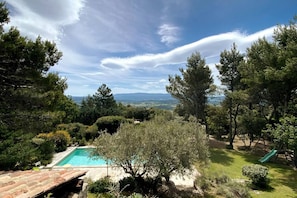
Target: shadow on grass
{"points": [[250, 157], [221, 157], [279, 173], [285, 175]]}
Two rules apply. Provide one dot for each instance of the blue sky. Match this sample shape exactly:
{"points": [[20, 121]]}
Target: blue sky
{"points": [[133, 45]]}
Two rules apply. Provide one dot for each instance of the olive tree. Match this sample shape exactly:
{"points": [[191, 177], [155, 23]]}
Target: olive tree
{"points": [[158, 147]]}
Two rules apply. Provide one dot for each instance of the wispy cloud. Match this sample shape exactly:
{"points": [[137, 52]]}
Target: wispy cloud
{"points": [[128, 45], [169, 33], [209, 47], [45, 18], [164, 64]]}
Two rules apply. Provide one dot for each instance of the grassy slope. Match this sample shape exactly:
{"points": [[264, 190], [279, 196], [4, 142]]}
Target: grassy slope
{"points": [[283, 178]]}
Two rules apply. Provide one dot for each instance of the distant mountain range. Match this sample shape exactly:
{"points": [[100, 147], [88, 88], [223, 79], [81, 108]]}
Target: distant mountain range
{"points": [[163, 101], [142, 97]]}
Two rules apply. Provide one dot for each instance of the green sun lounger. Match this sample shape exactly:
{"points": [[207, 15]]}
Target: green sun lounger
{"points": [[269, 155]]}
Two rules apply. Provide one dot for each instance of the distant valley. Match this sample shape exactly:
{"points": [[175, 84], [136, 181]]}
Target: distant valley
{"points": [[157, 100]]}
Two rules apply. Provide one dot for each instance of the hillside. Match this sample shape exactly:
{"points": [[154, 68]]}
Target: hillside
{"points": [[158, 100]]}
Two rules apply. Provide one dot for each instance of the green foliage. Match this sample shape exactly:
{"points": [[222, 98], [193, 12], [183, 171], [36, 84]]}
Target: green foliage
{"points": [[192, 87], [139, 185], [128, 184], [4, 18], [252, 123], [220, 184], [17, 152], [233, 190], [235, 103], [77, 131], [159, 146], [109, 124], [230, 162], [45, 150], [270, 71], [231, 77], [228, 68], [31, 98], [217, 121], [87, 111], [208, 179], [91, 132], [256, 173], [102, 103], [285, 133], [137, 113], [102, 185], [60, 138]]}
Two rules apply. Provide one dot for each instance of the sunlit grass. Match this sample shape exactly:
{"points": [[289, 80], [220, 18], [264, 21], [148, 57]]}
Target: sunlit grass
{"points": [[283, 178]]}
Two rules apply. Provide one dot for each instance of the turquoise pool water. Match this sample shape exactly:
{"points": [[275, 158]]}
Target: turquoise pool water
{"points": [[81, 157]]}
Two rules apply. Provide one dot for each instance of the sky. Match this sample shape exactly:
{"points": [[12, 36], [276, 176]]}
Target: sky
{"points": [[132, 46]]}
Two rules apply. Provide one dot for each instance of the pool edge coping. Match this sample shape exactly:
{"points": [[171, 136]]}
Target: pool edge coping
{"points": [[61, 155]]}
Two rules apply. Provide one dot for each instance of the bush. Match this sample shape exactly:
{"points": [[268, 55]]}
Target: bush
{"points": [[91, 132], [45, 150], [233, 190], [100, 186], [139, 184], [256, 173], [76, 130], [211, 179], [60, 138], [214, 183], [127, 184], [109, 123]]}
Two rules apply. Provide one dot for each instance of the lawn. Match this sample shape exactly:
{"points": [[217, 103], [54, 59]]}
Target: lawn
{"points": [[230, 162]]}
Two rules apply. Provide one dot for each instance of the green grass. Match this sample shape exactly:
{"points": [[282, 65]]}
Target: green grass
{"points": [[230, 162]]}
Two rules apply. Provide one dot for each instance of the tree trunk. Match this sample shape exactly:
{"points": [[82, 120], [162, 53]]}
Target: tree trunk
{"points": [[230, 146], [295, 157]]}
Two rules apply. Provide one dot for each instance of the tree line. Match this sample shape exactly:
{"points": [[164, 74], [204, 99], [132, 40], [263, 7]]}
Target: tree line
{"points": [[260, 88]]}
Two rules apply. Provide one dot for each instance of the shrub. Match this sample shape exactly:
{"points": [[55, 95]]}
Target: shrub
{"points": [[214, 183], [109, 123], [127, 184], [256, 173], [210, 179], [140, 185], [45, 149], [76, 130], [138, 113], [233, 190], [91, 132], [100, 186], [60, 138]]}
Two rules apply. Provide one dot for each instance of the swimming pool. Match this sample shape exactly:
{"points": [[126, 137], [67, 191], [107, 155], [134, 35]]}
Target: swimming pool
{"points": [[81, 157]]}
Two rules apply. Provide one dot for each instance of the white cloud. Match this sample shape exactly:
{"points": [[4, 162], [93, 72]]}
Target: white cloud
{"points": [[167, 63], [90, 33], [45, 18], [116, 26], [209, 47], [169, 33]]}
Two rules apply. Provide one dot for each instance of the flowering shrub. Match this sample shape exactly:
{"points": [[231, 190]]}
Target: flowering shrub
{"points": [[60, 138]]}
